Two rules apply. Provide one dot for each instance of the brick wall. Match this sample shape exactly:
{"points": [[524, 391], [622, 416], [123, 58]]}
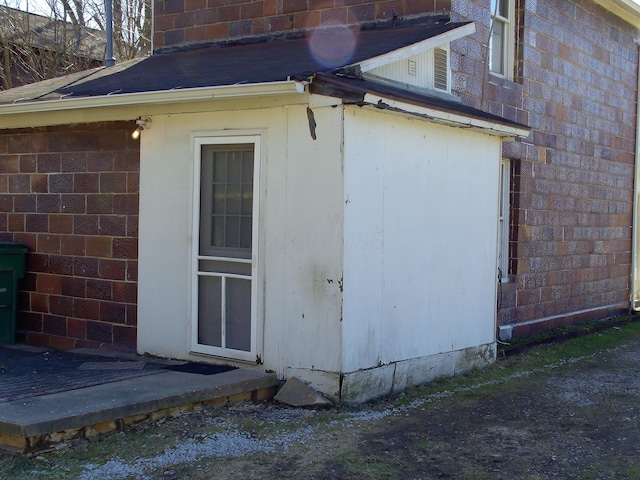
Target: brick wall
{"points": [[70, 193], [185, 21], [573, 178]]}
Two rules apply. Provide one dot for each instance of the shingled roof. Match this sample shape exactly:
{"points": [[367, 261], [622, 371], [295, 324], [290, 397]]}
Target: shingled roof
{"points": [[37, 31], [261, 61]]}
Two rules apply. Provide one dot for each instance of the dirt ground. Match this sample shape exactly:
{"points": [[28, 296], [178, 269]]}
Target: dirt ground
{"points": [[569, 411]]}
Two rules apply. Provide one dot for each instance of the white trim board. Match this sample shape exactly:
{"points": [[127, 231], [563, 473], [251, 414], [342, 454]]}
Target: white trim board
{"points": [[416, 48]]}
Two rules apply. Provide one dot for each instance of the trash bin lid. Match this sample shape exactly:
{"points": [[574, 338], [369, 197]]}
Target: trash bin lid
{"points": [[12, 247]]}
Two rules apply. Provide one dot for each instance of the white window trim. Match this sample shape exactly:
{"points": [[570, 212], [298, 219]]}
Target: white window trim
{"points": [[508, 41], [255, 353], [503, 219]]}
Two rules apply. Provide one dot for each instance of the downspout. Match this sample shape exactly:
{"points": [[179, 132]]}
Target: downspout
{"points": [[635, 235], [153, 25], [109, 61]]}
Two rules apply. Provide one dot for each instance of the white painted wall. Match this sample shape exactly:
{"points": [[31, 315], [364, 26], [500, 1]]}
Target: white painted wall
{"points": [[420, 238], [406, 224], [300, 241]]}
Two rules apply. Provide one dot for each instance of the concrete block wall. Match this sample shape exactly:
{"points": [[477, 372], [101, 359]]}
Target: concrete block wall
{"points": [[70, 193], [572, 179], [178, 22]]}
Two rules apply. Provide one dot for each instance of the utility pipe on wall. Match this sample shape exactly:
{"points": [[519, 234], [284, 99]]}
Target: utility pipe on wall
{"points": [[109, 61], [635, 224]]}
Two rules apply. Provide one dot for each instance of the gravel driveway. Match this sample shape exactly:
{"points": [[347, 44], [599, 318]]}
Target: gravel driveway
{"points": [[569, 410]]}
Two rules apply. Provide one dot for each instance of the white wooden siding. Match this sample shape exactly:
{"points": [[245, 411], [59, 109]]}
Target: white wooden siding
{"points": [[419, 70]]}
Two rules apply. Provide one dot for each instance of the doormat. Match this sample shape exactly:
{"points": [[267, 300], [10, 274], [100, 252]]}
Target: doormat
{"points": [[199, 368]]}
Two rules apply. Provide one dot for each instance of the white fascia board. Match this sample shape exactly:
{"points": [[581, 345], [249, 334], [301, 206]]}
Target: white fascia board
{"points": [[449, 118], [628, 10], [163, 97], [416, 48]]}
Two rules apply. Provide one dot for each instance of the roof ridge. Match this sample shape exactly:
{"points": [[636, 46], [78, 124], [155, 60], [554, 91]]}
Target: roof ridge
{"points": [[428, 19]]}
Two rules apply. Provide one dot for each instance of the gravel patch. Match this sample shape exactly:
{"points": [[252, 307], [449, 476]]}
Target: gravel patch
{"points": [[221, 445]]}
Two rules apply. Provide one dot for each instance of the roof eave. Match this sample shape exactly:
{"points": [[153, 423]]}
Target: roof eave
{"points": [[628, 10], [417, 48], [160, 97], [446, 117]]}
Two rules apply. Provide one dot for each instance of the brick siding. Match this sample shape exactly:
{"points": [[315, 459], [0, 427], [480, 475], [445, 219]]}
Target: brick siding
{"points": [[186, 21], [572, 185], [70, 193], [572, 179]]}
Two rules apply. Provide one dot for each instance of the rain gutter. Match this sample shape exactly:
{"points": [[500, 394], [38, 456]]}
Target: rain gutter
{"points": [[449, 118], [162, 97]]}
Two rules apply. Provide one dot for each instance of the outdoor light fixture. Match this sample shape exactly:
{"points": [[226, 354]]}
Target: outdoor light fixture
{"points": [[142, 122]]}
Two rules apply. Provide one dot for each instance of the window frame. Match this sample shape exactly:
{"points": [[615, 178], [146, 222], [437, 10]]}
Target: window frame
{"points": [[254, 355], [508, 41], [504, 210]]}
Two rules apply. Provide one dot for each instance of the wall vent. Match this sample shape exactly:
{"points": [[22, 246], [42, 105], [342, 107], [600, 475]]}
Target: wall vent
{"points": [[413, 70], [440, 69]]}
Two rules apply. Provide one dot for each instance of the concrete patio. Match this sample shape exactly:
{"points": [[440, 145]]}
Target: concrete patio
{"points": [[47, 396]]}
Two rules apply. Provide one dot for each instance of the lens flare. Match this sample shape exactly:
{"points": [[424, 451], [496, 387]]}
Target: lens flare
{"points": [[333, 46]]}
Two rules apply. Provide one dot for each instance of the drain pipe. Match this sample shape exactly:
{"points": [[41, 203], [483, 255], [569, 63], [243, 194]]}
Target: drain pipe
{"points": [[109, 61], [635, 235]]}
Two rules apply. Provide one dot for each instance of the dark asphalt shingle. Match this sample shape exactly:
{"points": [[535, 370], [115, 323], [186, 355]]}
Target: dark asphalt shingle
{"points": [[270, 60]]}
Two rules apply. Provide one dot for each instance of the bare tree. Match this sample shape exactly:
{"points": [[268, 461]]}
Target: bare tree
{"points": [[131, 27], [67, 36]]}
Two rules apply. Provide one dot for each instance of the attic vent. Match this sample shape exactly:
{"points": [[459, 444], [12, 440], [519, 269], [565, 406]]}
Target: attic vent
{"points": [[413, 69], [440, 69]]}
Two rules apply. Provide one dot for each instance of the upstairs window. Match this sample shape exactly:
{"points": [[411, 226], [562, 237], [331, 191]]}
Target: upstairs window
{"points": [[502, 40]]}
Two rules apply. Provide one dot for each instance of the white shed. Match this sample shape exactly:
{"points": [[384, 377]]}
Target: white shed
{"points": [[340, 230]]}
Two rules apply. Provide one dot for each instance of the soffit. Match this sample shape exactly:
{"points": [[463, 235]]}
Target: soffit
{"points": [[628, 10]]}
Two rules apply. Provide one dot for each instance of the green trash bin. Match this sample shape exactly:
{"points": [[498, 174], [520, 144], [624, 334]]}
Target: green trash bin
{"points": [[12, 260]]}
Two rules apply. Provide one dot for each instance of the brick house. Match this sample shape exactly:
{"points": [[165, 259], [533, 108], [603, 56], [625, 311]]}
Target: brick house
{"points": [[33, 47], [357, 305]]}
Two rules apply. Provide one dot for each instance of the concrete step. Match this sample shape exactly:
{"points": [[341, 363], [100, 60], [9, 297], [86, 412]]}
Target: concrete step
{"points": [[31, 423]]}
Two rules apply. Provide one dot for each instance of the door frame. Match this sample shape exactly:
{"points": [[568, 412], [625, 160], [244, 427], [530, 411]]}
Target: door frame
{"points": [[230, 138]]}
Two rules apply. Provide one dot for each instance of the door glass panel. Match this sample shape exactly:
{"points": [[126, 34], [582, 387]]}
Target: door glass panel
{"points": [[210, 311], [234, 168], [233, 199], [247, 167], [247, 200], [221, 266], [238, 314], [232, 232], [220, 166], [219, 198], [245, 232], [226, 200]]}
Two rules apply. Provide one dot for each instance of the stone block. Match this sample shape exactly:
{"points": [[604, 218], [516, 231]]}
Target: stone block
{"points": [[296, 393]]}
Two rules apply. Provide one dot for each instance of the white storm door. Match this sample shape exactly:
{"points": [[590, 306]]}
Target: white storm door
{"points": [[225, 220]]}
